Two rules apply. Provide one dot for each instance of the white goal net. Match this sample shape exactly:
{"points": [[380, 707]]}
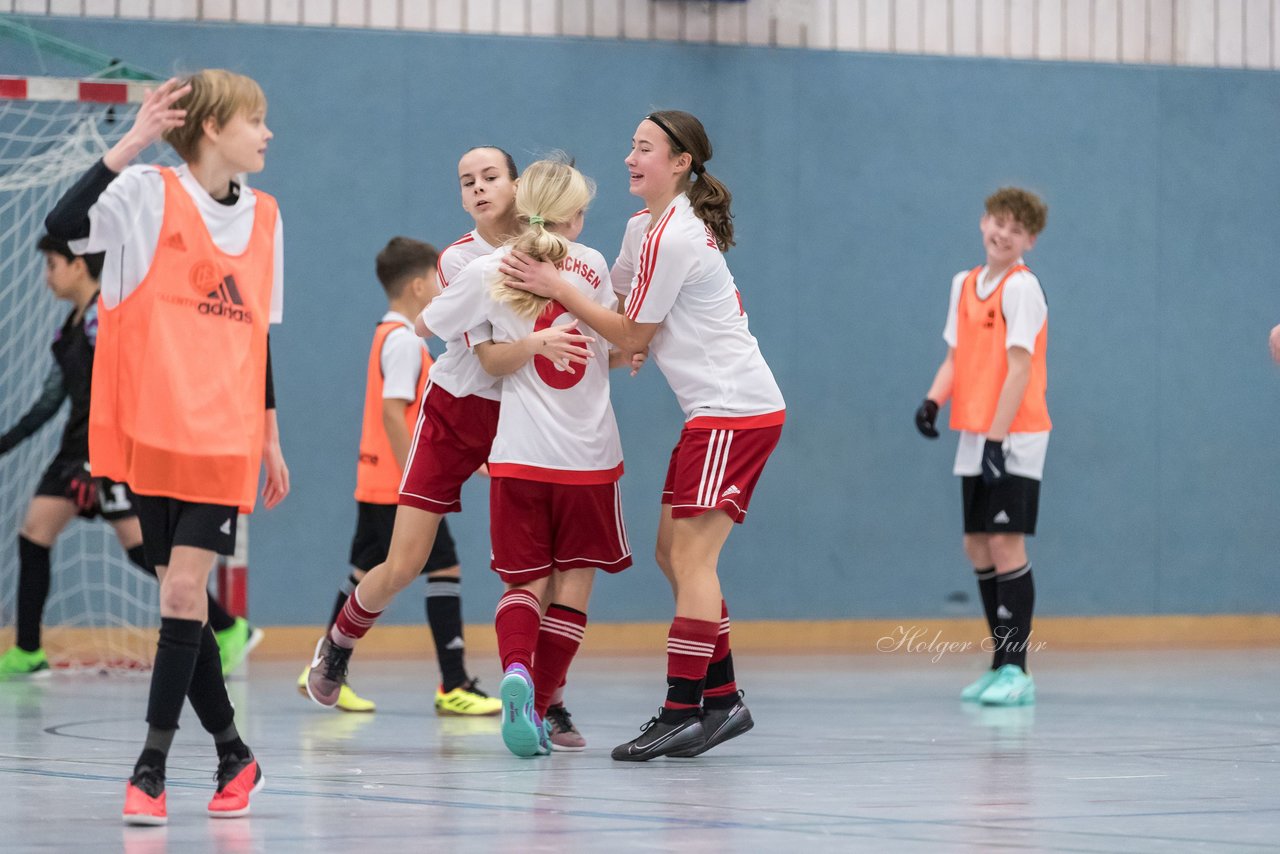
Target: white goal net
{"points": [[102, 611]]}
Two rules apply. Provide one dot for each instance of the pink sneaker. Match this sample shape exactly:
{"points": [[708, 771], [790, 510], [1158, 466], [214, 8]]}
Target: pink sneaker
{"points": [[564, 735]]}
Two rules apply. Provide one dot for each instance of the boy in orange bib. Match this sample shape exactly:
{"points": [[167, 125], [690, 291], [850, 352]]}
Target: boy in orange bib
{"points": [[182, 405], [995, 376]]}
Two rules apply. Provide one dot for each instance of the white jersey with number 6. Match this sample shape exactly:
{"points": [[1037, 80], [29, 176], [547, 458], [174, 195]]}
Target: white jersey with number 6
{"points": [[554, 426]]}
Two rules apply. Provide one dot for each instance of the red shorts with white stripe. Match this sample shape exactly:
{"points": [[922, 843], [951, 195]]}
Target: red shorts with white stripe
{"points": [[537, 528], [717, 469], [451, 441]]}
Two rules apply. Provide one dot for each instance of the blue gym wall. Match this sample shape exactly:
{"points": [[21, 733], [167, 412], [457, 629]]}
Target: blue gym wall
{"points": [[858, 184]]}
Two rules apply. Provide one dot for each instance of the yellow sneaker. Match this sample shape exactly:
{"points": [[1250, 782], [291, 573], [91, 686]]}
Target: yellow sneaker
{"points": [[466, 699], [348, 700]]}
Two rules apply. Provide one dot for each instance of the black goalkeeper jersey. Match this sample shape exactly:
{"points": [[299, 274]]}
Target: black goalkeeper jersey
{"points": [[70, 378]]}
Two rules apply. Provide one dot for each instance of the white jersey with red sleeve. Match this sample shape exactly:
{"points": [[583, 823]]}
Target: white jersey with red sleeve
{"points": [[679, 278], [557, 426], [458, 370]]}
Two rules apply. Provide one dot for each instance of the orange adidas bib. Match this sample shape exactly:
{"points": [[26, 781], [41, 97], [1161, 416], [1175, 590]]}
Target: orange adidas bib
{"points": [[378, 475], [982, 361], [179, 374]]}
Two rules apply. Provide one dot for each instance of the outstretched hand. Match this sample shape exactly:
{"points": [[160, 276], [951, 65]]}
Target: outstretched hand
{"points": [[156, 115], [536, 277]]}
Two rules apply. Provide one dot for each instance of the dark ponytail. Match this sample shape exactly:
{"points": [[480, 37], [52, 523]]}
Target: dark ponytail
{"points": [[710, 199]]}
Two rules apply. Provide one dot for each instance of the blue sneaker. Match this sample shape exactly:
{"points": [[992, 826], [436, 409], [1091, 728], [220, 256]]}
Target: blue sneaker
{"points": [[1011, 687], [522, 732], [974, 689]]}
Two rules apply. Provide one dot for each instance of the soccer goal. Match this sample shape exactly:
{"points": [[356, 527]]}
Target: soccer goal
{"points": [[102, 611]]}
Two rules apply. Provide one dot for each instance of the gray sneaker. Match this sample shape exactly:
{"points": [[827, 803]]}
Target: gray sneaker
{"points": [[564, 735], [328, 672]]}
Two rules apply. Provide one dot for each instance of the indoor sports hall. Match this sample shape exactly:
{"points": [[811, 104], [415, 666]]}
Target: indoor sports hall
{"points": [[863, 142]]}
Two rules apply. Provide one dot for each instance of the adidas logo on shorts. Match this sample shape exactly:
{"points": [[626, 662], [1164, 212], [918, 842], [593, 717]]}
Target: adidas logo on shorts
{"points": [[732, 490], [1002, 518]]}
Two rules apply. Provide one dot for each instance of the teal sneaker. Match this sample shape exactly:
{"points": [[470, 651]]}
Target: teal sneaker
{"points": [[1011, 687], [235, 644], [522, 732], [974, 689], [18, 662]]}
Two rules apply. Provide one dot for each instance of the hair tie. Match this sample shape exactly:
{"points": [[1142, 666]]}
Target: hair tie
{"points": [[536, 220], [699, 170]]}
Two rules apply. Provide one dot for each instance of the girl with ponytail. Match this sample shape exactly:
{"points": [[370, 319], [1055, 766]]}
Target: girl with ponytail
{"points": [[684, 309], [555, 508]]}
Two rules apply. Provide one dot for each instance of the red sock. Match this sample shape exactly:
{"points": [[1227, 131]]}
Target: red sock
{"points": [[516, 623], [353, 622], [690, 644], [720, 671], [558, 642]]}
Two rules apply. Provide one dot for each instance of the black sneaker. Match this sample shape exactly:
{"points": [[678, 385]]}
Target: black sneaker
{"points": [[328, 672], [720, 725], [658, 739]]}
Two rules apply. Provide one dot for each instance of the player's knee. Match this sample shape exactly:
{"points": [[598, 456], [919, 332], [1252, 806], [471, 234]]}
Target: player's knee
{"points": [[181, 594]]}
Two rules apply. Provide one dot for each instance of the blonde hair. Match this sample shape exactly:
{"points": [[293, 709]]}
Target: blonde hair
{"points": [[215, 93], [551, 192]]}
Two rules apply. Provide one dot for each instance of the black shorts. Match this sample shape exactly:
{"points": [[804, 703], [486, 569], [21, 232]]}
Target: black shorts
{"points": [[115, 501], [369, 546], [169, 522], [1008, 507]]}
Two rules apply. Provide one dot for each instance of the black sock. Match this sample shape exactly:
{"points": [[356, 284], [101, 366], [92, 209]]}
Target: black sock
{"points": [[444, 615], [176, 654], [987, 590], [207, 690], [156, 751], [33, 590], [686, 697], [219, 619], [228, 742], [344, 593], [1017, 594]]}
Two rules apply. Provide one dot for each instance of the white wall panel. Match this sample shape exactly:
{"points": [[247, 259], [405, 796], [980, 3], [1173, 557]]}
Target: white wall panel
{"points": [[964, 23], [907, 17], [1257, 33], [1106, 31], [1195, 23], [1133, 30], [1228, 33], [1022, 29], [285, 11], [215, 10], [877, 21], [1229, 41]]}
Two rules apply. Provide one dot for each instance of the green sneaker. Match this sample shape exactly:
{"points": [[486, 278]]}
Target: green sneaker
{"points": [[1011, 687], [235, 644], [974, 689], [18, 662]]}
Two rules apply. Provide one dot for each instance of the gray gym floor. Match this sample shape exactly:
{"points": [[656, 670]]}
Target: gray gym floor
{"points": [[1130, 751]]}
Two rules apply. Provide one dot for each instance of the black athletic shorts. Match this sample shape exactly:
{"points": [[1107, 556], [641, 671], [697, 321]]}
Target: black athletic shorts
{"points": [[1008, 507], [373, 538], [169, 522], [115, 501]]}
